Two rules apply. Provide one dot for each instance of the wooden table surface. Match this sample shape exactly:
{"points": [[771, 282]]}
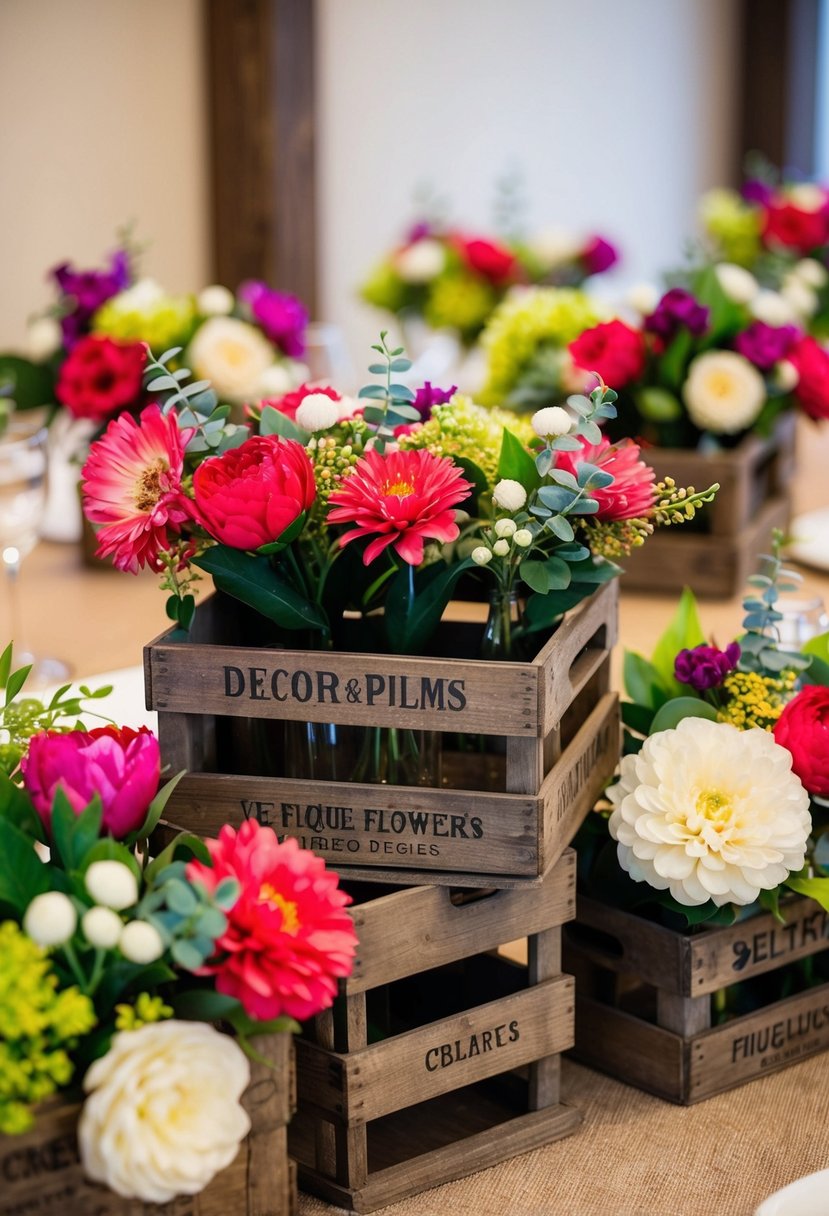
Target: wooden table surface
{"points": [[636, 1156]]}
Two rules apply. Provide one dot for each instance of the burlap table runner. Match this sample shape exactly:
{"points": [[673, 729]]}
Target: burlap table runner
{"points": [[638, 1156]]}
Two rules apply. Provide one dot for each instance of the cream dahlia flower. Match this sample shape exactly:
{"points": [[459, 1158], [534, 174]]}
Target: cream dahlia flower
{"points": [[724, 393], [708, 811], [233, 355], [421, 262], [163, 1114]]}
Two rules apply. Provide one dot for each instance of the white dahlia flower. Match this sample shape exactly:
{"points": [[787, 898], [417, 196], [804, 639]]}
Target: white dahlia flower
{"points": [[724, 393], [233, 356], [421, 262], [163, 1114], [215, 301], [708, 811], [773, 308], [736, 282]]}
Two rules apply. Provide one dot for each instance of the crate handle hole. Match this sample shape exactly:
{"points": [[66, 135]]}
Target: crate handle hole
{"points": [[462, 897], [595, 941]]}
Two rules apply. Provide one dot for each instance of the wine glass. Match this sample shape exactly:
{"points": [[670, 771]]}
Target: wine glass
{"points": [[23, 468]]}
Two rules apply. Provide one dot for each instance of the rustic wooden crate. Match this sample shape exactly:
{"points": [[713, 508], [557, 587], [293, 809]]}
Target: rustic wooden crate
{"points": [[42, 1173], [753, 499], [646, 996], [555, 717], [440, 1057]]}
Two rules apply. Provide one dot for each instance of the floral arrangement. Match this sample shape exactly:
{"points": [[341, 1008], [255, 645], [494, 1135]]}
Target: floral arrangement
{"points": [[700, 366], [779, 231], [115, 962], [453, 279], [322, 504], [721, 802], [89, 349]]}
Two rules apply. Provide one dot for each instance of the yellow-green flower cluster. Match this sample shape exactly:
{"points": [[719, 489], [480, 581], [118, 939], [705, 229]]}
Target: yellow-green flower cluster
{"points": [[38, 1028], [615, 538], [756, 700], [162, 321], [732, 225], [459, 301], [384, 288], [333, 456], [525, 321], [142, 1012], [462, 428]]}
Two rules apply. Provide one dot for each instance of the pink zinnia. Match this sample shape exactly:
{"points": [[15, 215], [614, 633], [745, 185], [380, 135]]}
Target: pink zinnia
{"points": [[401, 498], [288, 935], [631, 494], [132, 485]]}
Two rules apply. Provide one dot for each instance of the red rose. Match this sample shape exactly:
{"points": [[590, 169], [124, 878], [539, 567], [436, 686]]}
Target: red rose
{"points": [[101, 377], [488, 259], [812, 389], [793, 228], [803, 729], [290, 402], [613, 350], [249, 496]]}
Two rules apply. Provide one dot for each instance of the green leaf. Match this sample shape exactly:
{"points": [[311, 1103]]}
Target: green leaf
{"points": [[637, 717], [15, 682], [673, 711], [410, 620], [156, 808], [475, 474], [112, 850], [543, 611], [643, 683], [187, 955], [658, 405], [33, 384], [22, 874], [544, 576], [516, 464], [274, 422], [252, 580], [121, 975], [559, 526], [73, 834], [684, 631], [184, 844], [814, 888], [374, 392], [6, 664], [180, 897], [816, 673], [204, 1005], [16, 807], [596, 570]]}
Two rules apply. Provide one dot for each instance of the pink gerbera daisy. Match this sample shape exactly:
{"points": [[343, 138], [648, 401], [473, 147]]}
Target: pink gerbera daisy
{"points": [[631, 494], [132, 486], [401, 498], [288, 936]]}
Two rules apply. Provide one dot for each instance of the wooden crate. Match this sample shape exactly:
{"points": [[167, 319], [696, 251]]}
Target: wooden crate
{"points": [[440, 1057], [555, 717], [42, 1173], [647, 998], [753, 499]]}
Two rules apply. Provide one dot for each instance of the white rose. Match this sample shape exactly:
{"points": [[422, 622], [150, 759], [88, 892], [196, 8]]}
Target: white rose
{"points": [[140, 942], [551, 421], [50, 919], [811, 272], [102, 927], [737, 283], [643, 298], [142, 296], [481, 556], [43, 338], [163, 1114], [501, 548], [112, 884], [215, 301], [785, 375], [802, 298], [420, 262], [523, 538], [232, 355], [317, 412], [724, 393], [807, 196], [771, 307], [556, 247], [509, 495], [505, 527]]}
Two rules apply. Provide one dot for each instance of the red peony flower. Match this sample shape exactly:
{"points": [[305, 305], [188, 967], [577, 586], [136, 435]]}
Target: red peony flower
{"points": [[812, 389], [100, 376], [631, 494], [613, 350], [251, 494], [288, 935], [803, 729], [121, 765], [132, 485], [794, 228], [290, 403], [402, 498], [487, 258]]}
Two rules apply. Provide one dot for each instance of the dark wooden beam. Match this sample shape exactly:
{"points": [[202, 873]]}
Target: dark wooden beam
{"points": [[260, 65]]}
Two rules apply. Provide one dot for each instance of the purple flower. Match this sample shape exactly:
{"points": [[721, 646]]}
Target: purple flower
{"points": [[281, 317], [430, 395], [84, 291], [599, 255], [706, 667], [755, 191], [764, 345], [418, 232], [676, 309]]}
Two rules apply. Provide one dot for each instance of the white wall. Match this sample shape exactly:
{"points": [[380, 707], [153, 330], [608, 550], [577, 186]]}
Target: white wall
{"points": [[102, 123], [616, 113]]}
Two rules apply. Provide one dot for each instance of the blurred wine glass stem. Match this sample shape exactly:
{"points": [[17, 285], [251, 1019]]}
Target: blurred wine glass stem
{"points": [[11, 565]]}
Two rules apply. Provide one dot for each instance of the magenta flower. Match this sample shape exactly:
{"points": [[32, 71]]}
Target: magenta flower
{"points": [[84, 291], [282, 318], [430, 395], [764, 345], [677, 310], [599, 255], [706, 667], [121, 765]]}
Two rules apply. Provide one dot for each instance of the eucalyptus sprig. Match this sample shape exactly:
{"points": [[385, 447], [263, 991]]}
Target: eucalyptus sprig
{"points": [[588, 411], [393, 406], [760, 645], [196, 406]]}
